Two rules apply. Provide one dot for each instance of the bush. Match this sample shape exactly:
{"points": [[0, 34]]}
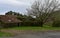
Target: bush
{"points": [[30, 24], [56, 23], [7, 25], [10, 25]]}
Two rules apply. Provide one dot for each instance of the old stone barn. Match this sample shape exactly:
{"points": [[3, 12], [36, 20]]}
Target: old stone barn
{"points": [[9, 21]]}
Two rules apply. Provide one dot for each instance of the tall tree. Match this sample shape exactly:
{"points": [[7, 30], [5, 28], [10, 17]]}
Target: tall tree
{"points": [[43, 9]]}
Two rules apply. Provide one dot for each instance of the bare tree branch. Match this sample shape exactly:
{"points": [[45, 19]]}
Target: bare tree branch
{"points": [[44, 9]]}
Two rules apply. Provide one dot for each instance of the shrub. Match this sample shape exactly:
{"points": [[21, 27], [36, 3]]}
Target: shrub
{"points": [[7, 25], [56, 23], [30, 23]]}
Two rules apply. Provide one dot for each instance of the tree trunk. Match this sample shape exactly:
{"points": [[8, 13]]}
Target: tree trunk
{"points": [[18, 24], [41, 24]]}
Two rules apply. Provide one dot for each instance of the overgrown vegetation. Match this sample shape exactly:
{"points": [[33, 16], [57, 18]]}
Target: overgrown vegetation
{"points": [[42, 16], [5, 34], [39, 14]]}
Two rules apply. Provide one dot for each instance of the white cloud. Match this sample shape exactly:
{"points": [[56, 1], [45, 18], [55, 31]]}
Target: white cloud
{"points": [[16, 2]]}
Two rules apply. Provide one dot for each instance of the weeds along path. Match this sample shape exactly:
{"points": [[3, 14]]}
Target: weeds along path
{"points": [[34, 34]]}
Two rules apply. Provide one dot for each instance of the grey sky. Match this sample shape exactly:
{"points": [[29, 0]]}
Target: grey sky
{"points": [[14, 5]]}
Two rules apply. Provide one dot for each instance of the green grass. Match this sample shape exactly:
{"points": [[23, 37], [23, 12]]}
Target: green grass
{"points": [[4, 34], [36, 28], [46, 28]]}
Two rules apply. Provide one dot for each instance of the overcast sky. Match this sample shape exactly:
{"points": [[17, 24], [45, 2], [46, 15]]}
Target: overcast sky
{"points": [[14, 5]]}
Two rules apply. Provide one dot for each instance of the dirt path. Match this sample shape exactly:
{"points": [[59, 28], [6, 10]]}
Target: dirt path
{"points": [[40, 35], [31, 34]]}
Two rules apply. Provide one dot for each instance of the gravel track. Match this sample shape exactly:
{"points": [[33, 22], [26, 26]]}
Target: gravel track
{"points": [[40, 34]]}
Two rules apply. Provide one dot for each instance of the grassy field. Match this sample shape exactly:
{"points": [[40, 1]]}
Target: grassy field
{"points": [[5, 34], [35, 28], [28, 29]]}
